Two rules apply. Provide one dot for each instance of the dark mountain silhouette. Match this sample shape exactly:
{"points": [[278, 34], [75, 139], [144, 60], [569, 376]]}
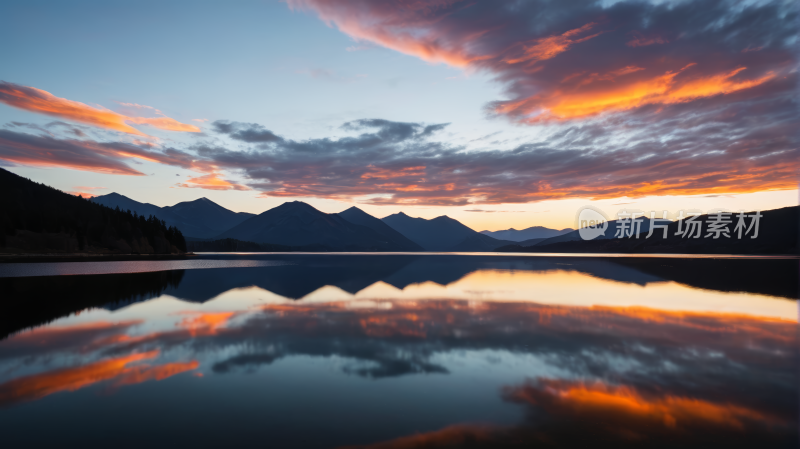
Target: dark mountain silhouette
{"points": [[114, 200], [201, 218], [357, 216], [210, 214], [778, 234], [300, 224], [38, 218], [442, 234], [534, 232]]}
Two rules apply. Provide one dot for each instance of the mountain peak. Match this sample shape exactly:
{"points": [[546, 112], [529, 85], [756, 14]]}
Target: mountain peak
{"points": [[354, 209], [293, 205], [112, 195]]}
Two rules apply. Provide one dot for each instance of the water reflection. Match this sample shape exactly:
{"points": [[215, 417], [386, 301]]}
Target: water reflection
{"points": [[477, 353], [32, 301], [37, 386], [578, 414]]}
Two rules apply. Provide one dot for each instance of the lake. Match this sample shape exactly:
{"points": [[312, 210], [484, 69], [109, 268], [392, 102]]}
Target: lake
{"points": [[401, 351]]}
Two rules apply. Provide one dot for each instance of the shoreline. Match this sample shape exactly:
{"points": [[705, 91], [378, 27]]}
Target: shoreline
{"points": [[88, 257], [94, 257]]}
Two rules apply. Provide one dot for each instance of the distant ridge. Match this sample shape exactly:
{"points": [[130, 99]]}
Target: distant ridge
{"points": [[201, 218], [778, 234], [442, 234], [610, 233], [534, 232]]}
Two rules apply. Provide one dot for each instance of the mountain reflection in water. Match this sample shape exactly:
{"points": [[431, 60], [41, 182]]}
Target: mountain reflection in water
{"points": [[396, 352]]}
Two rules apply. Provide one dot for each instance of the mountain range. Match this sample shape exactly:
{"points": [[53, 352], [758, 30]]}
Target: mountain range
{"points": [[299, 225]]}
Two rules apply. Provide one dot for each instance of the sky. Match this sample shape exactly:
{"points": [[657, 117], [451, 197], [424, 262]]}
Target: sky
{"points": [[497, 113]]}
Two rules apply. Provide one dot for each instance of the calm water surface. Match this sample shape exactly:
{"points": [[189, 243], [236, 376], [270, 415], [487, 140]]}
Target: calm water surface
{"points": [[400, 351]]}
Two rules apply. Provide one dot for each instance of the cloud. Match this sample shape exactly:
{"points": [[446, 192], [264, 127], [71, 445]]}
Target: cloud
{"points": [[60, 338], [37, 386], [684, 52], [89, 155], [212, 181], [639, 40], [42, 102], [43, 151], [85, 191], [81, 193], [246, 132], [569, 413], [621, 403]]}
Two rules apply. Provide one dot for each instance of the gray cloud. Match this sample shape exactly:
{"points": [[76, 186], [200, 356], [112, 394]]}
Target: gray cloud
{"points": [[246, 132]]}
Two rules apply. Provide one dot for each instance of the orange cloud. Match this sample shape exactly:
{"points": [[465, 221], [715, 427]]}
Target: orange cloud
{"points": [[664, 89], [37, 386], [165, 123], [70, 379], [81, 194], [385, 173], [204, 324], [82, 191], [403, 32], [42, 102], [212, 181], [140, 374], [629, 407], [550, 46]]}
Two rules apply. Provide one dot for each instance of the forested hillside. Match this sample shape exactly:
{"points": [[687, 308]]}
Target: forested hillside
{"points": [[38, 218]]}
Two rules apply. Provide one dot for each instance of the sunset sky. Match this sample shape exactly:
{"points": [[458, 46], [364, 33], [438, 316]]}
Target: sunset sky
{"points": [[497, 113]]}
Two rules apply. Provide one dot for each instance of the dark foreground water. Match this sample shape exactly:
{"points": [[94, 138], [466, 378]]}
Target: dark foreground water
{"points": [[400, 351]]}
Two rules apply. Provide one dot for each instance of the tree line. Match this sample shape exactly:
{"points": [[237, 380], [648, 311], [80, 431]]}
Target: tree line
{"points": [[37, 217]]}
